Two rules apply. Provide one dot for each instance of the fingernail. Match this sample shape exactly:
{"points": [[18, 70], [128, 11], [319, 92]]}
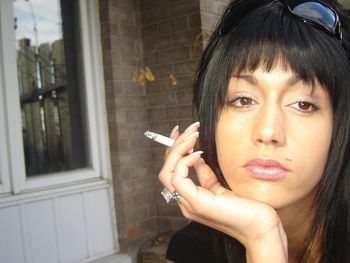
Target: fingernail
{"points": [[175, 129], [200, 161], [190, 151], [193, 135], [194, 125], [196, 153]]}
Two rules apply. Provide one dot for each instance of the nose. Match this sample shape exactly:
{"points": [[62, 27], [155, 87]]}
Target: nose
{"points": [[269, 126]]}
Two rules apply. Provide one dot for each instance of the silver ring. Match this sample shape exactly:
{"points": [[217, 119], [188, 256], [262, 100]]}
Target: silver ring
{"points": [[176, 196], [168, 196]]}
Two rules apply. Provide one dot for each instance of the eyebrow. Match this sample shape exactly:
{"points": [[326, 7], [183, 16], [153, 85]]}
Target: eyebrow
{"points": [[252, 80]]}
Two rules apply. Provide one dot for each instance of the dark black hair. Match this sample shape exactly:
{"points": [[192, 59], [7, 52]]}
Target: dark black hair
{"points": [[266, 36]]}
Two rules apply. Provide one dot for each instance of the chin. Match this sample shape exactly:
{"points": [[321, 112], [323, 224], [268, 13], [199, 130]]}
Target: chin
{"points": [[280, 201], [276, 203], [268, 196]]}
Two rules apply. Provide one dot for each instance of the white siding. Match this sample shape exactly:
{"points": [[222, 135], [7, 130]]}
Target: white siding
{"points": [[71, 216], [11, 237], [39, 219], [74, 226], [99, 224]]}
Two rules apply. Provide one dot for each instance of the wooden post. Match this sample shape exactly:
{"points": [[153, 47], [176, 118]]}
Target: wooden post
{"points": [[32, 125], [63, 104]]}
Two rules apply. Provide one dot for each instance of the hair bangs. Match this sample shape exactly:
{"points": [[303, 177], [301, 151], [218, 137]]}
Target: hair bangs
{"points": [[272, 37]]}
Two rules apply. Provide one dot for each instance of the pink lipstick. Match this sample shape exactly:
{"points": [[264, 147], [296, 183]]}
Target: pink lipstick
{"points": [[265, 169]]}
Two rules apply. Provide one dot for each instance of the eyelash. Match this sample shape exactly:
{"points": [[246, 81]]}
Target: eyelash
{"points": [[236, 99], [313, 107]]}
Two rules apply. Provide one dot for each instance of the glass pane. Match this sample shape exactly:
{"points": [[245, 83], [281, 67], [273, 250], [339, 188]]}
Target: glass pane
{"points": [[51, 86]]}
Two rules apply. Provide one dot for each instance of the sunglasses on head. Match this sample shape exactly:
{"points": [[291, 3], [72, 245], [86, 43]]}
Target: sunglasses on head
{"points": [[314, 12]]}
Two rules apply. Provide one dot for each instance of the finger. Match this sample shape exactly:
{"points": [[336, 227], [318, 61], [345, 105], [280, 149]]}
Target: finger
{"points": [[175, 132], [207, 178], [199, 198], [203, 205], [184, 143], [179, 138], [173, 135], [189, 130], [193, 196], [180, 180], [175, 155]]}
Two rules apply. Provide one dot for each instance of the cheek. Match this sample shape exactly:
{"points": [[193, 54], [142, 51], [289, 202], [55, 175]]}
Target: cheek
{"points": [[232, 142], [229, 137], [312, 152]]}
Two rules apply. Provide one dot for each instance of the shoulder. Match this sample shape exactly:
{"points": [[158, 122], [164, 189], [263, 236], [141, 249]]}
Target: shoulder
{"points": [[193, 243]]}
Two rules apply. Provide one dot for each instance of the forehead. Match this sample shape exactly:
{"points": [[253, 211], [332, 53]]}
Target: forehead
{"points": [[280, 77], [279, 72], [276, 74]]}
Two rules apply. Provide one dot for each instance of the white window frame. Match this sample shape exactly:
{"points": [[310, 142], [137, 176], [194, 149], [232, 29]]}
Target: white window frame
{"points": [[12, 163]]}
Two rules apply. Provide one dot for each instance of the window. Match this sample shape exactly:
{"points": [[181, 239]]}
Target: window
{"points": [[50, 85], [50, 73]]}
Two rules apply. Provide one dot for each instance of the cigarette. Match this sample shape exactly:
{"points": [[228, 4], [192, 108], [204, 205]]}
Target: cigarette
{"points": [[159, 138]]}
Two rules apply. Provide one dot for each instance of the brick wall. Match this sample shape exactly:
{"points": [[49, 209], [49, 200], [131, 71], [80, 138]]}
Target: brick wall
{"points": [[167, 36], [211, 10], [169, 31], [173, 32], [127, 119]]}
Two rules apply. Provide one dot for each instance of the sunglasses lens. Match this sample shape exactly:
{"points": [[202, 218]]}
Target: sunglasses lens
{"points": [[312, 11], [317, 13]]}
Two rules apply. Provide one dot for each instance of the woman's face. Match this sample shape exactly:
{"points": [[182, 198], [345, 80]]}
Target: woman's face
{"points": [[273, 136]]}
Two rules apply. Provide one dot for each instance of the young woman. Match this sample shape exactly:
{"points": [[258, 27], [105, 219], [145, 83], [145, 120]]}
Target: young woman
{"points": [[272, 95]]}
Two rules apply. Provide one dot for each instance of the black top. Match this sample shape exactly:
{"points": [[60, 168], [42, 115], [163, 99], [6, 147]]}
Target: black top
{"points": [[194, 243]]}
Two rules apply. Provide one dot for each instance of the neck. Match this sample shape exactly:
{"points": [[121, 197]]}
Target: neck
{"points": [[297, 220]]}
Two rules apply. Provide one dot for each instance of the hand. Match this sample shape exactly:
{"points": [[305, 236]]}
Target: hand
{"points": [[254, 224]]}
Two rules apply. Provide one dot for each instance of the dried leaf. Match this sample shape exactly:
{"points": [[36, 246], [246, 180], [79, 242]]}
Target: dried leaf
{"points": [[142, 78], [172, 79], [149, 74]]}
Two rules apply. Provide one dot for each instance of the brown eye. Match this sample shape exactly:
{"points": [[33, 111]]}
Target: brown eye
{"points": [[246, 101], [305, 106], [242, 102]]}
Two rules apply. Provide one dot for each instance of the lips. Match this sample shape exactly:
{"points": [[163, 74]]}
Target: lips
{"points": [[265, 169]]}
